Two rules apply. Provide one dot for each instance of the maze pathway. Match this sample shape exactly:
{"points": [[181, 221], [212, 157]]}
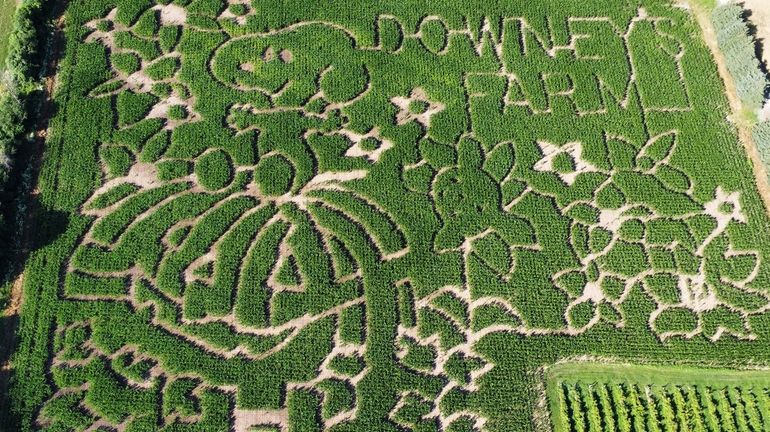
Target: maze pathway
{"points": [[379, 218]]}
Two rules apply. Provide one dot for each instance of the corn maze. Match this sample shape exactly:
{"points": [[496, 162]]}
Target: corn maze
{"points": [[382, 216]]}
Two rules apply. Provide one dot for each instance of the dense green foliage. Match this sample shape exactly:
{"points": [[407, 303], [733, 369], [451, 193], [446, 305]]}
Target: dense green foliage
{"points": [[761, 133], [739, 50], [21, 52], [601, 397], [380, 217]]}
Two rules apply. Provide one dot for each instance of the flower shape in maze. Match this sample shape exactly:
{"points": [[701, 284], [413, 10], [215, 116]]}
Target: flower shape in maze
{"points": [[664, 241]]}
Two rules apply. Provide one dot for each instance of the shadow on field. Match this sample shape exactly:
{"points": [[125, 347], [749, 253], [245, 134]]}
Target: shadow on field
{"points": [[42, 227], [29, 224], [759, 44], [8, 325]]}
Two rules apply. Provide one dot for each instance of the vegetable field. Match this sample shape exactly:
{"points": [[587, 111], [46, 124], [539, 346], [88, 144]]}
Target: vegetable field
{"points": [[385, 216], [599, 397]]}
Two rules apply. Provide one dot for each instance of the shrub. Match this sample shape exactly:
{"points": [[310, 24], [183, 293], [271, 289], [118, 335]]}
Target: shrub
{"points": [[163, 68], [127, 63], [739, 50], [177, 112], [19, 84]]}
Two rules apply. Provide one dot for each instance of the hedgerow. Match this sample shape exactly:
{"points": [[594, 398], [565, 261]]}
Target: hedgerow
{"points": [[653, 398], [19, 102], [739, 50]]}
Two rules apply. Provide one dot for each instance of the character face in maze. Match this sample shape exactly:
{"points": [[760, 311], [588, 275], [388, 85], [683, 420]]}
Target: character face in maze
{"points": [[294, 64]]}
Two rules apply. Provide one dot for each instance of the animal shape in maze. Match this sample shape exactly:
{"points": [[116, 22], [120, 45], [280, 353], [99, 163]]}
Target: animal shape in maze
{"points": [[468, 200]]}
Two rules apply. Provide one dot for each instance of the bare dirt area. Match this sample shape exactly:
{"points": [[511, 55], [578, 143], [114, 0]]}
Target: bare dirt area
{"points": [[744, 127]]}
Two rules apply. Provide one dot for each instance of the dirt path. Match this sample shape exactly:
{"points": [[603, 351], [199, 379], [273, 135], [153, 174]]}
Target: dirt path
{"points": [[744, 127]]}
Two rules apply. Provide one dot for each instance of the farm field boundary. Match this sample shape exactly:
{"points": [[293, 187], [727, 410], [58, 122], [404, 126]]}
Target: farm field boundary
{"points": [[25, 110], [744, 114]]}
